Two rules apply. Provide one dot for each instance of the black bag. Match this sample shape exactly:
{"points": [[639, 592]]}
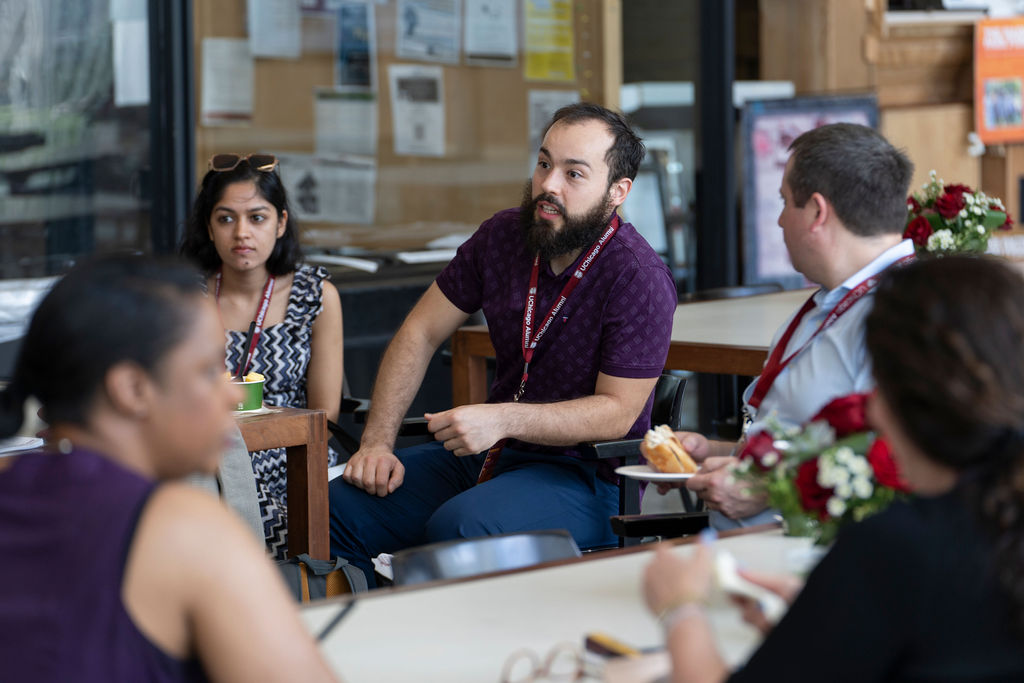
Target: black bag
{"points": [[308, 579]]}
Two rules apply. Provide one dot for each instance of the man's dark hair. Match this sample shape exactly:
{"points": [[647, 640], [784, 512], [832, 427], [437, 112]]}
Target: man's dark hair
{"points": [[864, 177], [627, 150]]}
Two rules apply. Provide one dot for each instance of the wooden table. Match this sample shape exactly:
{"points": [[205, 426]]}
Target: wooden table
{"points": [[725, 336], [303, 435], [464, 631]]}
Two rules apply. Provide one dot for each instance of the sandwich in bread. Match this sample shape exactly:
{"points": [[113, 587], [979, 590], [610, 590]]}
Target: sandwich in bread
{"points": [[663, 450]]}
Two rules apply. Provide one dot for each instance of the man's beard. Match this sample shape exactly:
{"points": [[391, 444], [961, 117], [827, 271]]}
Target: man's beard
{"points": [[577, 232]]}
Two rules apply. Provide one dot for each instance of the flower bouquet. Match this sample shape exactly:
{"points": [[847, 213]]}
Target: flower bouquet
{"points": [[830, 472], [946, 219]]}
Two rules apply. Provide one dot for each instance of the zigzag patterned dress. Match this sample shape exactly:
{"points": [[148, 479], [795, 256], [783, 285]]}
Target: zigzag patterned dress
{"points": [[282, 356]]}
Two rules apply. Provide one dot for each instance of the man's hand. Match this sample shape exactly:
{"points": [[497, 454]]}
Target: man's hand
{"points": [[467, 430], [375, 470], [715, 485], [699, 448]]}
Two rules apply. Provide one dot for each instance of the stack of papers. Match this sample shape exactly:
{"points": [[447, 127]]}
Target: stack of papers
{"points": [[19, 444]]}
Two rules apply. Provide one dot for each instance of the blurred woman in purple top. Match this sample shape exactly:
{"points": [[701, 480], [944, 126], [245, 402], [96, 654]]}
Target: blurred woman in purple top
{"points": [[110, 572]]}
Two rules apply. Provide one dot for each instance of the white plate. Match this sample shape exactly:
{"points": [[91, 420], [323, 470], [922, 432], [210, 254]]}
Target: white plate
{"points": [[648, 473]]}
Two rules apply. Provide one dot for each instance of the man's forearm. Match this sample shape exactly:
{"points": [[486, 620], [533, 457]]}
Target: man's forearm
{"points": [[398, 380], [564, 423]]}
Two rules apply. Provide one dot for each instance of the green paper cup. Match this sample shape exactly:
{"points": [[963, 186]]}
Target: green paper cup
{"points": [[252, 395]]}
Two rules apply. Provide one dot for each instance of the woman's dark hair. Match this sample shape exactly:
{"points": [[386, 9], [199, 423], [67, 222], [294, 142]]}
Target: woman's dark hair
{"points": [[627, 150], [945, 340], [106, 311], [197, 245]]}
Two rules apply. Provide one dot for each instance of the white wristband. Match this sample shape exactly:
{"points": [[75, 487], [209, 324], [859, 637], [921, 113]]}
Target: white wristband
{"points": [[674, 615]]}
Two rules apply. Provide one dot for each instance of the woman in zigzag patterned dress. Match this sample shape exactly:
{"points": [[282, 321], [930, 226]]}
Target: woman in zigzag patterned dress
{"points": [[241, 235]]}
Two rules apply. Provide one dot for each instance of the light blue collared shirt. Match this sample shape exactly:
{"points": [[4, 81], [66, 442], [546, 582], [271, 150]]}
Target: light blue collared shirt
{"points": [[834, 364]]}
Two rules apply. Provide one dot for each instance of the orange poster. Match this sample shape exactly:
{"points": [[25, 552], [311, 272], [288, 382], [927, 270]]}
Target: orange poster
{"points": [[998, 80]]}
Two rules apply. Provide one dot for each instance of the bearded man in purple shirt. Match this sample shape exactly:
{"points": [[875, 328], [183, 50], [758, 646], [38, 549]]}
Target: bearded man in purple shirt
{"points": [[579, 310]]}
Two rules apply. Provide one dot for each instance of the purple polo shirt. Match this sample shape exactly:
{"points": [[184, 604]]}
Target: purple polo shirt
{"points": [[617, 321]]}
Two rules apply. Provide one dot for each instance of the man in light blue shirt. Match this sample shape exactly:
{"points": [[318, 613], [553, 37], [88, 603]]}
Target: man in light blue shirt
{"points": [[844, 193]]}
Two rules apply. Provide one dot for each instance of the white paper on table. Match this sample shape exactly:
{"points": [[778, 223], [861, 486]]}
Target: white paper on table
{"points": [[330, 190], [490, 32], [346, 123], [131, 62], [542, 106], [357, 47], [417, 109], [429, 30], [275, 28], [126, 10], [227, 82]]}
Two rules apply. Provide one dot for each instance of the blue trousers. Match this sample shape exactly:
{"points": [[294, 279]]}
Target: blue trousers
{"points": [[440, 500]]}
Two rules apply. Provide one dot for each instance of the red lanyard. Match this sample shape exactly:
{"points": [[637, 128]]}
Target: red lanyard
{"points": [[261, 314], [529, 339], [776, 364]]}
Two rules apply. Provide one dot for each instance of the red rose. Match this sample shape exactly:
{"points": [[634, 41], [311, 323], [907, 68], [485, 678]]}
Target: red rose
{"points": [[813, 497], [957, 190], [949, 205], [913, 206], [886, 471], [918, 230], [758, 446], [845, 414]]}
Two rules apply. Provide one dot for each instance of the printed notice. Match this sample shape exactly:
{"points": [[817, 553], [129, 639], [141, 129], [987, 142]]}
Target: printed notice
{"points": [[417, 109], [275, 28], [549, 38], [999, 80], [346, 123], [490, 35], [542, 106], [329, 190], [227, 82], [429, 30], [356, 48]]}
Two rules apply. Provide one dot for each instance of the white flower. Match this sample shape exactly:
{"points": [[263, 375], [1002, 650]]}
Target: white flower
{"points": [[963, 213], [969, 198], [844, 455], [941, 239], [844, 490], [862, 487], [770, 459], [859, 466], [835, 507], [981, 229]]}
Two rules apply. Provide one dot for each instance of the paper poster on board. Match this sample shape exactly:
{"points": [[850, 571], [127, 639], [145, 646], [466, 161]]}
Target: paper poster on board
{"points": [[346, 123], [999, 80], [542, 105], [356, 54], [275, 28], [429, 30], [549, 40], [227, 82], [324, 190], [490, 33], [417, 109]]}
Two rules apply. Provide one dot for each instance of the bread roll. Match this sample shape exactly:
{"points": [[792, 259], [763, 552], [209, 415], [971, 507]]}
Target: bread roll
{"points": [[663, 450]]}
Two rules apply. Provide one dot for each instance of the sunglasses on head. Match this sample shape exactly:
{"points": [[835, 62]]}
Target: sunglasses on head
{"points": [[229, 162]]}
